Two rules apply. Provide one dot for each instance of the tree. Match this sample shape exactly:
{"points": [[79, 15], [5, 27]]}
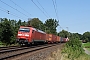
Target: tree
{"points": [[36, 23], [86, 36], [63, 33], [76, 35], [0, 31], [51, 25], [7, 32], [24, 23]]}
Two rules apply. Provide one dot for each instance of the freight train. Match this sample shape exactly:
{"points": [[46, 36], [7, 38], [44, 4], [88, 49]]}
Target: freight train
{"points": [[30, 35]]}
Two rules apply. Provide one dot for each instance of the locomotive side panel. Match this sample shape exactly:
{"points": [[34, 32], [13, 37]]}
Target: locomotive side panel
{"points": [[39, 37]]}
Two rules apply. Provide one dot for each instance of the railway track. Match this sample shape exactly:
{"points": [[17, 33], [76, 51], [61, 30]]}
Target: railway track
{"points": [[6, 48], [16, 48], [14, 52]]}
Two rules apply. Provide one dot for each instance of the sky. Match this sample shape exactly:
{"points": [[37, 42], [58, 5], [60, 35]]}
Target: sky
{"points": [[74, 14]]}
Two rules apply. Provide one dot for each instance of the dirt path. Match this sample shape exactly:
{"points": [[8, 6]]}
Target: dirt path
{"points": [[86, 51]]}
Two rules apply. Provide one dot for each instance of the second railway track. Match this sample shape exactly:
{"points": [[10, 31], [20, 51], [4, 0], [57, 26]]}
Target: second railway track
{"points": [[7, 54]]}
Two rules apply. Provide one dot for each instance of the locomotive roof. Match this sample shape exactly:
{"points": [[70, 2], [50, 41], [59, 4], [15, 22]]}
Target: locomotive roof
{"points": [[33, 29], [39, 30]]}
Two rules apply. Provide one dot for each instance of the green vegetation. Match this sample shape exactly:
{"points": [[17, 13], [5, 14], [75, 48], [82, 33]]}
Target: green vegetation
{"points": [[51, 26], [83, 57], [73, 48], [64, 53], [1, 44], [88, 49], [86, 45]]}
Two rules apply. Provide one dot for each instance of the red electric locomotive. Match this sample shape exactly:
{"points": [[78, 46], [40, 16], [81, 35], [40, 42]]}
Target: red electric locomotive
{"points": [[30, 35]]}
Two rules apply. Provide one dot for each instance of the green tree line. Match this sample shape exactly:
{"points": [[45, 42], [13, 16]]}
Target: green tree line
{"points": [[84, 36], [9, 29]]}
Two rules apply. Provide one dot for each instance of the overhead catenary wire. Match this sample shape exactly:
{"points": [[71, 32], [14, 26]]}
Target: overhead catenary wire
{"points": [[13, 8], [43, 8], [21, 8], [10, 13], [55, 9], [39, 8]]}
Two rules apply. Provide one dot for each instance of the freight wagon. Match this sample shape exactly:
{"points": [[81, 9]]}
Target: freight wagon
{"points": [[64, 40], [58, 39], [50, 38]]}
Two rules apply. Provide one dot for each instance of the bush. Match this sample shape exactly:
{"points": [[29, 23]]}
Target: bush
{"points": [[73, 48]]}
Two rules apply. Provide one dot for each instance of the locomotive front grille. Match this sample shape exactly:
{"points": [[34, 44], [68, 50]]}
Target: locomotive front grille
{"points": [[21, 40]]}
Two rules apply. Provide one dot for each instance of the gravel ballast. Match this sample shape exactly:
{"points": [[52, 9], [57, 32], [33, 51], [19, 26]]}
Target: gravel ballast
{"points": [[40, 54]]}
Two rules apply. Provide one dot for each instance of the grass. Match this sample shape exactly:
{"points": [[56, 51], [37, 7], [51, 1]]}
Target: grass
{"points": [[1, 44], [83, 57], [69, 54], [88, 49], [58, 55], [86, 45]]}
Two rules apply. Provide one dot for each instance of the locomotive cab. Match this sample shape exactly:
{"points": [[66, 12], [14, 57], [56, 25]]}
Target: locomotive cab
{"points": [[23, 36]]}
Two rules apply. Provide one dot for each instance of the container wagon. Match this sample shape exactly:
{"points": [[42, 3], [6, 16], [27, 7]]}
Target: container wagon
{"points": [[58, 39], [54, 38], [49, 38]]}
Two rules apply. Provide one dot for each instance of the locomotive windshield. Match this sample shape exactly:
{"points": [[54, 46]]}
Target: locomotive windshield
{"points": [[24, 30]]}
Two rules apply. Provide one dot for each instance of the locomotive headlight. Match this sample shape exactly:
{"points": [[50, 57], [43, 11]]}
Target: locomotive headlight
{"points": [[19, 34], [26, 35]]}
